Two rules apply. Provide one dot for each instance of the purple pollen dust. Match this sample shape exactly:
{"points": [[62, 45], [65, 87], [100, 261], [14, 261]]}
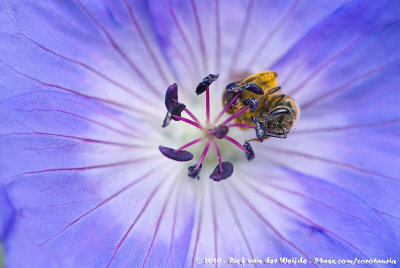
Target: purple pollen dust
{"points": [[212, 132]]}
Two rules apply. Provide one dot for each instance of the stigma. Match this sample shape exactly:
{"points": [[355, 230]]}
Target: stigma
{"points": [[242, 100]]}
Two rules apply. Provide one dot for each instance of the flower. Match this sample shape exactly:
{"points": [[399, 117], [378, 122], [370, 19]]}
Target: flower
{"points": [[83, 183]]}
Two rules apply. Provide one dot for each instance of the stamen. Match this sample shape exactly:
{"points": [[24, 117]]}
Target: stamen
{"points": [[249, 155], [236, 115], [252, 102], [187, 121], [253, 88], [190, 144], [174, 110], [193, 172], [218, 155], [231, 87], [227, 107], [192, 116], [203, 155], [173, 154], [227, 170], [171, 96], [208, 104], [202, 86], [211, 131], [237, 144]]}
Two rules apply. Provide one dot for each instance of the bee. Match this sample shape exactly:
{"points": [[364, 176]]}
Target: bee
{"points": [[275, 113]]}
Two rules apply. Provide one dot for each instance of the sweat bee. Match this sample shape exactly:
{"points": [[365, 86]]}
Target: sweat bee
{"points": [[274, 113]]}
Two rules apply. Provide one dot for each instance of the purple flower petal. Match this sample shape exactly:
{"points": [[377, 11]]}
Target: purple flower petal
{"points": [[82, 85]]}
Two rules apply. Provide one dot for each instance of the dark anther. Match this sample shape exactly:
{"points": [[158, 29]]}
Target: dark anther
{"points": [[232, 86], [171, 96], [173, 154], [202, 86], [227, 170], [261, 132], [250, 154], [193, 172], [175, 110], [220, 131], [253, 88], [273, 90], [279, 111], [252, 102]]}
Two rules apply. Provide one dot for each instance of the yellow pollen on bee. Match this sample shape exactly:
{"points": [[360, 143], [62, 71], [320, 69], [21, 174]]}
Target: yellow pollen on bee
{"points": [[264, 79]]}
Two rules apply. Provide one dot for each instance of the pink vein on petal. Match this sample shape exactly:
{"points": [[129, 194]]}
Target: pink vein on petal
{"points": [[141, 178], [215, 222], [281, 205], [91, 69], [200, 221], [270, 226], [100, 100], [237, 221], [121, 242], [122, 163], [334, 58], [242, 36], [168, 198], [115, 130], [218, 37], [346, 127], [283, 189], [146, 42], [347, 84], [173, 228], [271, 35], [350, 166], [183, 35], [200, 35], [84, 139], [113, 43]]}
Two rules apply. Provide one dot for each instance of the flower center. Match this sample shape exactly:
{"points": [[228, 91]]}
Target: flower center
{"points": [[253, 103]]}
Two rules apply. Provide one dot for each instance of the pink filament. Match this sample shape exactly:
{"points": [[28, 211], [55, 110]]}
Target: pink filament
{"points": [[208, 104], [237, 144], [190, 144], [235, 115], [219, 155], [227, 107], [192, 116], [203, 155], [187, 121]]}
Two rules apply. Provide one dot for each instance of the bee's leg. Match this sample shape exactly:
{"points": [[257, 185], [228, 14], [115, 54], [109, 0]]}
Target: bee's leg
{"points": [[273, 90], [255, 139], [276, 99], [281, 136]]}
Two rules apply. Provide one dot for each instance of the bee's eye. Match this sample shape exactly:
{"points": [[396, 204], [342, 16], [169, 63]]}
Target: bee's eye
{"points": [[279, 111]]}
